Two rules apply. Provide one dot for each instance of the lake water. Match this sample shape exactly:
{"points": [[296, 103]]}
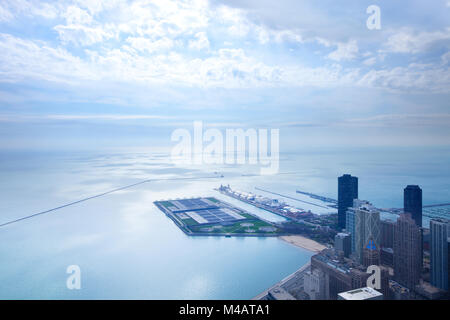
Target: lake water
{"points": [[128, 249]]}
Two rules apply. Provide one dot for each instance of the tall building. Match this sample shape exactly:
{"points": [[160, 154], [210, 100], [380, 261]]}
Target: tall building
{"points": [[448, 262], [347, 191], [339, 275], [314, 284], [343, 243], [412, 203], [407, 252], [387, 257], [350, 227], [387, 233], [350, 224], [367, 231], [371, 255], [384, 282], [439, 229]]}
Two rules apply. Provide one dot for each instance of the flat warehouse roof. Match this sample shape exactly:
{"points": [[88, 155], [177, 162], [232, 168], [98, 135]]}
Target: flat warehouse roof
{"points": [[213, 216], [203, 210]]}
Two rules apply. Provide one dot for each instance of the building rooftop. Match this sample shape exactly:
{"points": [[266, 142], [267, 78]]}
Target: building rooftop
{"points": [[279, 293], [390, 250], [329, 257], [343, 234], [366, 293], [396, 287]]}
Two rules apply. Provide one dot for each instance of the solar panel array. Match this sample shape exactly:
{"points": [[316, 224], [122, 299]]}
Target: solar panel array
{"points": [[204, 211], [216, 216], [193, 203]]}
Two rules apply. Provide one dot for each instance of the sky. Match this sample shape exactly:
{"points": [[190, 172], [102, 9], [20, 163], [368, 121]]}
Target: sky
{"points": [[111, 73]]}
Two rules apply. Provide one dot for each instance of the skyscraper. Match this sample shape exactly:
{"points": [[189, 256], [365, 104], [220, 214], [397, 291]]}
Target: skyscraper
{"points": [[412, 203], [367, 231], [342, 243], [448, 262], [350, 224], [407, 252], [387, 233], [439, 253], [371, 254], [347, 191]]}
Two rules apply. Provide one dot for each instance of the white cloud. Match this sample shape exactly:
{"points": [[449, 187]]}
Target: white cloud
{"points": [[345, 51], [83, 35], [145, 44], [401, 120], [201, 41], [11, 9], [5, 14], [35, 60], [75, 15], [446, 58], [71, 117], [96, 6], [370, 61], [414, 77], [407, 41], [238, 25], [231, 68], [117, 117]]}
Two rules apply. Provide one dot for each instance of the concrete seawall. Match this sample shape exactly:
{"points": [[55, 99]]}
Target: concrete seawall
{"points": [[280, 283]]}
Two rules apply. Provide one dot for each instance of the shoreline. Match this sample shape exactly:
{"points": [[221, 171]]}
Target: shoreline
{"points": [[283, 281], [300, 242], [304, 243]]}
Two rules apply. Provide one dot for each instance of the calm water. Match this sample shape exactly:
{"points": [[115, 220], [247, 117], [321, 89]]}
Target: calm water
{"points": [[128, 249]]}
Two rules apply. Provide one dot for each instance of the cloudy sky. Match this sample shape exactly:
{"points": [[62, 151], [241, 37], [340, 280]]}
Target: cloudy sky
{"points": [[102, 72]]}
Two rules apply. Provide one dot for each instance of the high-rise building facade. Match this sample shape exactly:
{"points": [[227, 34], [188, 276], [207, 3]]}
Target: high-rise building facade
{"points": [[350, 224], [350, 227], [407, 252], [347, 191], [387, 233], [371, 256], [439, 229], [339, 275], [367, 231], [343, 243], [314, 284], [412, 203], [448, 262]]}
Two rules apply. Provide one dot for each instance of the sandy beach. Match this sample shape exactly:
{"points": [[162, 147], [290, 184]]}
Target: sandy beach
{"points": [[304, 243]]}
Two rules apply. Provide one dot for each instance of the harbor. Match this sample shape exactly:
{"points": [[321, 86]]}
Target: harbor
{"points": [[272, 205]]}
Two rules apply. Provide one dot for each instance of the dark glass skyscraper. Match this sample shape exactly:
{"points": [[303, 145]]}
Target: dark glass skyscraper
{"points": [[407, 252], [439, 252], [347, 191], [412, 203], [448, 262]]}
